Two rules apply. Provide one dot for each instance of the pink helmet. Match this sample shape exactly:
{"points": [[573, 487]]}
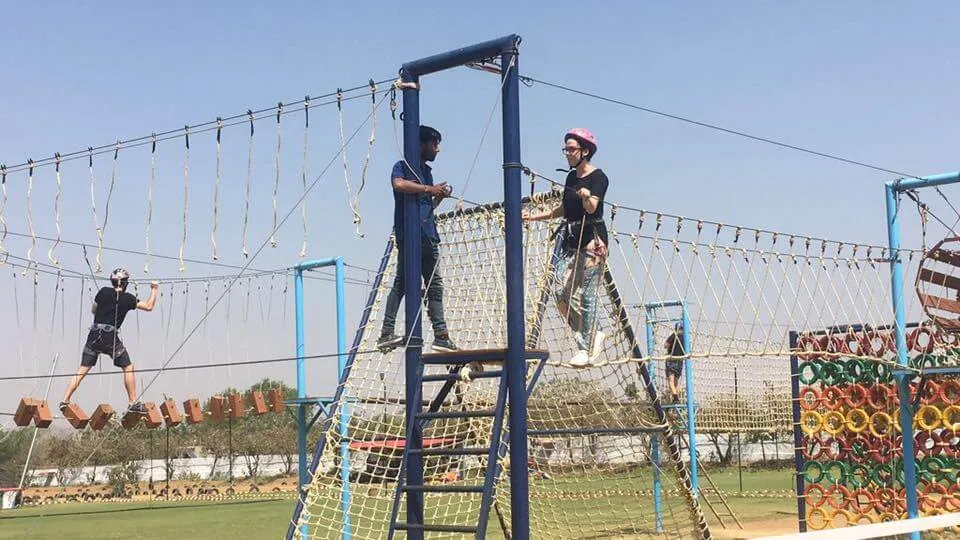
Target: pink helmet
{"points": [[584, 137]]}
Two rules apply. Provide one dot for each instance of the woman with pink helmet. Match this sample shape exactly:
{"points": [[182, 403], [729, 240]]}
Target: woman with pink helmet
{"points": [[579, 262]]}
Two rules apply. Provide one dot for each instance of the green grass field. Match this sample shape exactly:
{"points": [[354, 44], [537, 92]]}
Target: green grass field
{"points": [[267, 517]]}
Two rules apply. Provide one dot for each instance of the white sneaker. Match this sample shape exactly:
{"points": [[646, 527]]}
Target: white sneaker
{"points": [[581, 359], [597, 345]]}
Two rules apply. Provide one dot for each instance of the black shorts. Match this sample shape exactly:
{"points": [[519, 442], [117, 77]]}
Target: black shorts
{"points": [[104, 342], [675, 367]]}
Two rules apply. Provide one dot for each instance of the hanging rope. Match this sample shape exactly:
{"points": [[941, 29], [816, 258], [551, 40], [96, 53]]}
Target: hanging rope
{"points": [[106, 208], [276, 176], [216, 192], [366, 159], [3, 205], [33, 236], [303, 171], [246, 207], [186, 186], [343, 154], [56, 211], [153, 169]]}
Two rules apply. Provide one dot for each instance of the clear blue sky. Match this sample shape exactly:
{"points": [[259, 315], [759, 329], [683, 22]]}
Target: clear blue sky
{"points": [[870, 81]]}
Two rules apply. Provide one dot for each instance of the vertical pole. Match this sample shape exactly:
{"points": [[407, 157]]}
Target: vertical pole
{"points": [[516, 361], [301, 392], [411, 263], [166, 464], [345, 412], [736, 401], [230, 446], [691, 411], [654, 438], [797, 434], [903, 382]]}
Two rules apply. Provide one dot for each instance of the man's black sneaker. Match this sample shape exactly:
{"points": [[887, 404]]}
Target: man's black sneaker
{"points": [[388, 342], [443, 344]]}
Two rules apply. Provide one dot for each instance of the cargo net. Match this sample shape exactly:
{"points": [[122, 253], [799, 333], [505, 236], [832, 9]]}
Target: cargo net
{"points": [[744, 291], [587, 483]]}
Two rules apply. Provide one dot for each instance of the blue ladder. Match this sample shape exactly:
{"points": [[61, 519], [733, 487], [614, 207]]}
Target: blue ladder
{"points": [[454, 361]]}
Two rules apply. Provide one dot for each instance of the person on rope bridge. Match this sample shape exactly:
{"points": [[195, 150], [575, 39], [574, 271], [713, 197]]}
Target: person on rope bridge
{"points": [[406, 182], [578, 264], [110, 308], [674, 366]]}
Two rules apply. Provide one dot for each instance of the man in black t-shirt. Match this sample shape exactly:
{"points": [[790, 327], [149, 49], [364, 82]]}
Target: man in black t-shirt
{"points": [[110, 308], [674, 366]]}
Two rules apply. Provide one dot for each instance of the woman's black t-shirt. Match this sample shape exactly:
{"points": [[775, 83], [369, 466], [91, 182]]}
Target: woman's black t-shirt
{"points": [[573, 211]]}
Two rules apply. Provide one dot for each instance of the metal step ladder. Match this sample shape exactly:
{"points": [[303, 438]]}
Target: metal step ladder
{"points": [[492, 362], [710, 494]]}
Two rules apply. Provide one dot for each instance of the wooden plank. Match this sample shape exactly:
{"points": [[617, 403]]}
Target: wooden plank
{"points": [[75, 415], [41, 415], [194, 413], [24, 414], [945, 256], [153, 418], [101, 415], [935, 302], [275, 400], [257, 403], [130, 419], [236, 406], [170, 412], [944, 280], [218, 406]]}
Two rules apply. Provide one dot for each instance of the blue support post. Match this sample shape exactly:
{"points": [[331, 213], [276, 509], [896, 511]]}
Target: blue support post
{"points": [[345, 409], [798, 459], [301, 392], [303, 402], [654, 440], [691, 426], [516, 336], [411, 282], [903, 382]]}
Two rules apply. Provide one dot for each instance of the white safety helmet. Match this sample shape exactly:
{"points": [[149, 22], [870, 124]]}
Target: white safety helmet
{"points": [[119, 277]]}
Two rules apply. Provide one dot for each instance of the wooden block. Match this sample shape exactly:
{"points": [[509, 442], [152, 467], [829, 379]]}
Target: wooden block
{"points": [[257, 402], [194, 413], [236, 406], [153, 418], [130, 419], [171, 414], [24, 414], [75, 415], [41, 415], [218, 405], [275, 400], [101, 415]]}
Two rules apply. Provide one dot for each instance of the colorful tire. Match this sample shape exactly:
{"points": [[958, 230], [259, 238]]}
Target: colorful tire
{"points": [[929, 417], [831, 398], [814, 489], [809, 398], [950, 418], [859, 476], [949, 392], [810, 467], [881, 424], [808, 347], [914, 342], [834, 422], [837, 478], [811, 422], [856, 396], [857, 420], [814, 368]]}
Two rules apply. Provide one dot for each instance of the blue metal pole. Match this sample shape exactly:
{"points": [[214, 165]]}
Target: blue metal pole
{"points": [[516, 336], [411, 267], [347, 531], [654, 441], [926, 181], [301, 391], [798, 459], [691, 412], [903, 382]]}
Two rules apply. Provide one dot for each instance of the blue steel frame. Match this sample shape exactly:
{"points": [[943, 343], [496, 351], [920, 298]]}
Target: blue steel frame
{"points": [[348, 364], [893, 189], [302, 401], [651, 319], [506, 48]]}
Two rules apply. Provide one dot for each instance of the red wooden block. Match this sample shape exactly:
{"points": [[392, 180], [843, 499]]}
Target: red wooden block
{"points": [[101, 415], [218, 405], [171, 414], [41, 415], [194, 413], [153, 418], [75, 415], [130, 419], [236, 406], [275, 400], [24, 414], [257, 402]]}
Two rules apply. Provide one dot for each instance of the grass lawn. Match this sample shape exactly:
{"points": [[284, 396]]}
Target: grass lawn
{"points": [[267, 517]]}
